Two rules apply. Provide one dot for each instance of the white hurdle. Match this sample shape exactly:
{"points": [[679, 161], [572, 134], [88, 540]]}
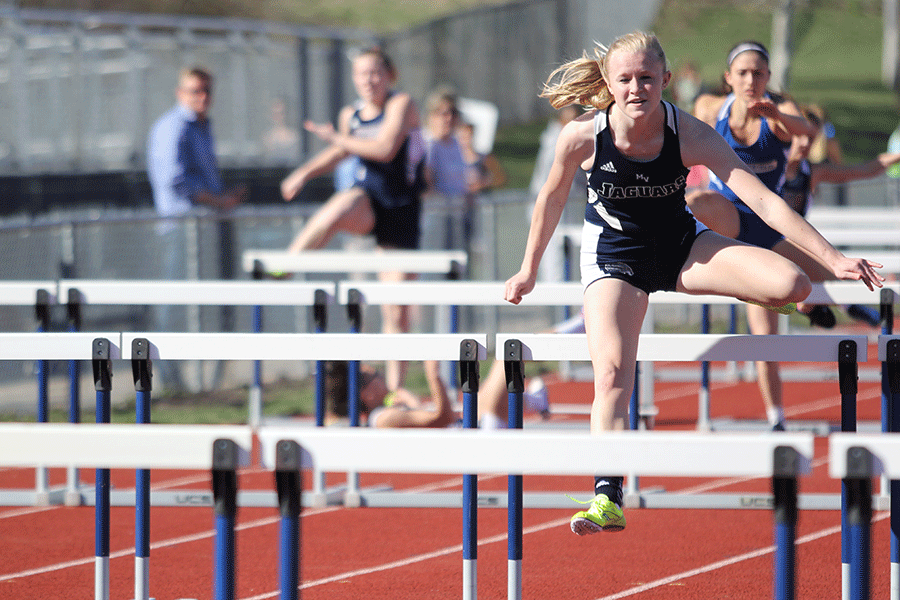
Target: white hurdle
{"points": [[221, 449], [207, 293], [490, 293], [24, 293], [826, 217], [200, 293], [518, 452], [845, 351], [534, 452], [341, 261], [318, 346], [42, 295], [855, 459], [115, 446]]}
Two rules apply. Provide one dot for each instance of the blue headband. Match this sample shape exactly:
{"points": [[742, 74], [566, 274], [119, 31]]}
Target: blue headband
{"points": [[740, 48]]}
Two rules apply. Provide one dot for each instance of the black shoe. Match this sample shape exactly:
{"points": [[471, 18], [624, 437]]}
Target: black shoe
{"points": [[867, 315], [822, 316], [779, 426]]}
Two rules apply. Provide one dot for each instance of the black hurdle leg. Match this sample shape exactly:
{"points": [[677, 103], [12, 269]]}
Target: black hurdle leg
{"points": [[859, 518], [848, 384], [468, 378], [515, 385], [784, 487], [290, 490], [224, 484]]}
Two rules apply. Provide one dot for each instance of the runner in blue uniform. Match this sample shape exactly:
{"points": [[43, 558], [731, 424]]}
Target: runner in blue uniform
{"points": [[759, 126], [382, 129], [639, 235], [801, 178]]}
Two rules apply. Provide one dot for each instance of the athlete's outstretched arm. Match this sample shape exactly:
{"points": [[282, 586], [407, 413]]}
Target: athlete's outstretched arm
{"points": [[700, 144], [842, 173], [321, 163], [575, 145]]}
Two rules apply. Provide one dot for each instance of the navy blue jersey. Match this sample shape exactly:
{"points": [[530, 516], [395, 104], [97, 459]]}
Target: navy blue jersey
{"points": [[640, 199], [397, 182], [637, 225], [797, 192]]}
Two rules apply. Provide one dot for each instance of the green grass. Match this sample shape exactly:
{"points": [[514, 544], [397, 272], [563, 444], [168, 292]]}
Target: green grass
{"points": [[284, 398], [516, 148], [836, 60]]}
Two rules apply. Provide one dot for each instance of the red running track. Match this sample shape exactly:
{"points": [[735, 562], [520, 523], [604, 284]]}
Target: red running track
{"points": [[390, 553]]}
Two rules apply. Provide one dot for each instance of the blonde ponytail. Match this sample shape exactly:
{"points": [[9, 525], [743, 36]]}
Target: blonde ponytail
{"points": [[583, 80], [580, 81]]}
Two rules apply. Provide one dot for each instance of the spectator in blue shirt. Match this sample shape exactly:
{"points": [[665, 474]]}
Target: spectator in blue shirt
{"points": [[181, 161], [184, 173]]}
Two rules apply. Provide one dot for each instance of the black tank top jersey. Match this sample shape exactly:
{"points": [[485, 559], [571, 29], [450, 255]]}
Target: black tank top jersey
{"points": [[797, 192], [639, 199], [396, 182]]}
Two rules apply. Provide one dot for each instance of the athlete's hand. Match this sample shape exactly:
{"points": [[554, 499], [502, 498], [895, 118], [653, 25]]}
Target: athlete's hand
{"points": [[324, 131], [764, 108], [517, 286], [859, 269]]}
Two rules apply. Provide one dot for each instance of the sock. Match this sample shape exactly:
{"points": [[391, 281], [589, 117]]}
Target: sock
{"points": [[775, 414], [611, 487], [491, 421]]}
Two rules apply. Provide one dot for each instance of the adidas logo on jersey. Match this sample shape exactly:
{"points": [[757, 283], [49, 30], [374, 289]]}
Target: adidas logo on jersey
{"points": [[608, 167]]}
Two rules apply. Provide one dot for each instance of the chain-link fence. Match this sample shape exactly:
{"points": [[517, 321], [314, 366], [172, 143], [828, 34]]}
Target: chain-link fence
{"points": [[79, 91]]}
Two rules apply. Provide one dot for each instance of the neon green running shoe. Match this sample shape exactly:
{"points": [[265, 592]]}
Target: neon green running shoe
{"points": [[781, 310], [602, 515]]}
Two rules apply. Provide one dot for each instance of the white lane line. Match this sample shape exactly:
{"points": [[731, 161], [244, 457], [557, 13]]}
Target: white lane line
{"points": [[411, 560], [830, 402], [728, 562], [453, 482], [720, 483]]}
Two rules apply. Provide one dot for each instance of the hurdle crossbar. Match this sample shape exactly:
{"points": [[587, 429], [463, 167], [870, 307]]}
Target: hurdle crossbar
{"points": [[56, 346], [303, 346], [340, 261], [207, 293], [828, 216], [527, 452], [692, 347], [23, 293], [861, 236], [114, 446]]}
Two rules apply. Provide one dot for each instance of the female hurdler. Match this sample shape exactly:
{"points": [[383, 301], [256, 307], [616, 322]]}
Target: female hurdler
{"points": [[639, 236]]}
